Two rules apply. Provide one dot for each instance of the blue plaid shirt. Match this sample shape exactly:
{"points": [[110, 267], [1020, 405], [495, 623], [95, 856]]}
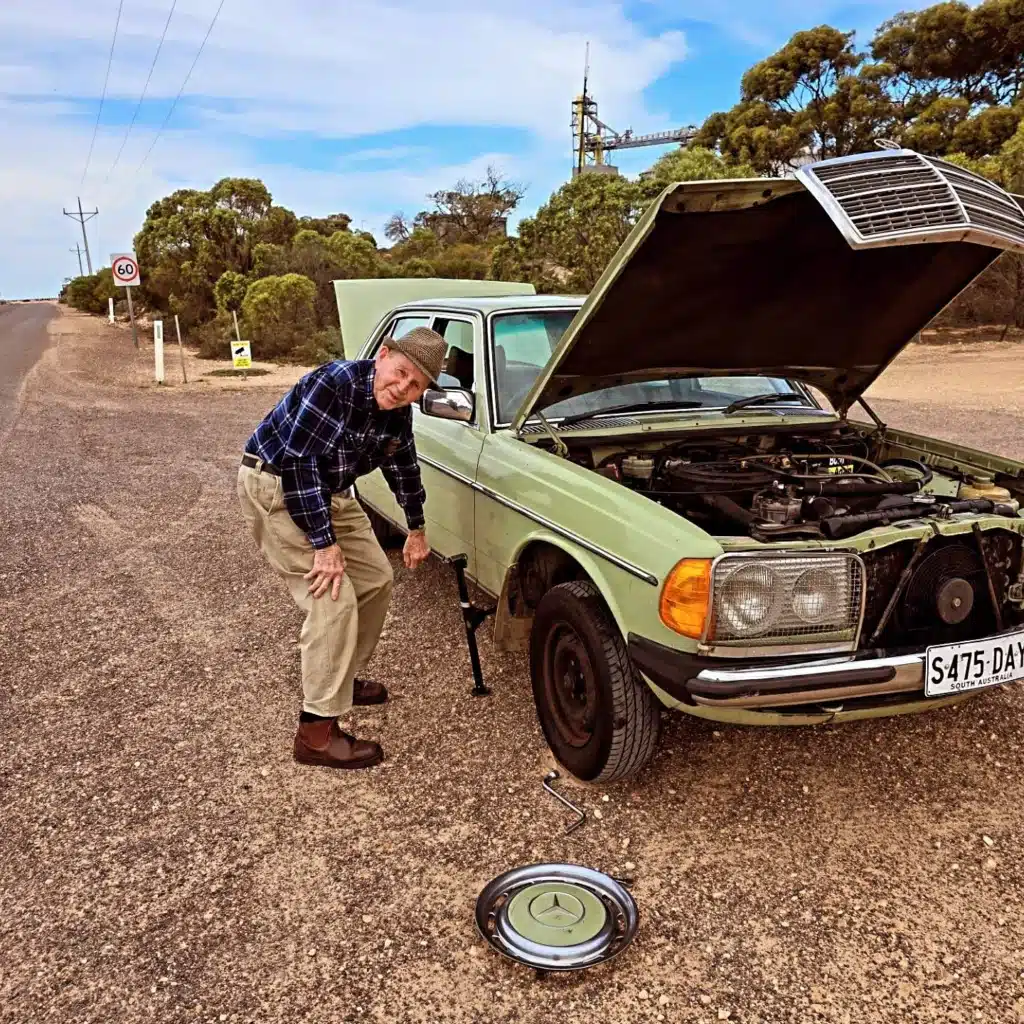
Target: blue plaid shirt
{"points": [[327, 431]]}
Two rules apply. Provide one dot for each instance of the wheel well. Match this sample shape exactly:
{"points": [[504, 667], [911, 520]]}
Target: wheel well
{"points": [[540, 567]]}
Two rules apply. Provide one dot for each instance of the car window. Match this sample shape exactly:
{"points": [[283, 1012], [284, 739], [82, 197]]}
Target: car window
{"points": [[404, 324], [458, 369], [523, 343]]}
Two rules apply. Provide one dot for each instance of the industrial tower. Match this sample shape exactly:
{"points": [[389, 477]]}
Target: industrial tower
{"points": [[592, 138]]}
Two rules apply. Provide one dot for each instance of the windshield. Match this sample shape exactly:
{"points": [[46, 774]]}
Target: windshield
{"points": [[523, 343]]}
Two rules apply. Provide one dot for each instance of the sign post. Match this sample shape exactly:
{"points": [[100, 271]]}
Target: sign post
{"points": [[181, 349], [158, 350], [110, 310], [125, 268]]}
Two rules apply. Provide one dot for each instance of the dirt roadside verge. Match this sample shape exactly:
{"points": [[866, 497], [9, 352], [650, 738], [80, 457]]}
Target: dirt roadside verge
{"points": [[164, 859]]}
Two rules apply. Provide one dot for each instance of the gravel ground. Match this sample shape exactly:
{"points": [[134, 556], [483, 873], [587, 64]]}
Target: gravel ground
{"points": [[165, 860]]}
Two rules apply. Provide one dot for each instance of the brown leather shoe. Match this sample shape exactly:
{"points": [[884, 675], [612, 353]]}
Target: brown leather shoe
{"points": [[323, 743], [365, 691]]}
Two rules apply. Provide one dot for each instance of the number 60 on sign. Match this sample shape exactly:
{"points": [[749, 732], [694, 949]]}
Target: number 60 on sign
{"points": [[125, 268]]}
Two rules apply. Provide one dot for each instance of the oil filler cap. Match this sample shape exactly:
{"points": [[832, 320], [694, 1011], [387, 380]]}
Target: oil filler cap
{"points": [[556, 917]]}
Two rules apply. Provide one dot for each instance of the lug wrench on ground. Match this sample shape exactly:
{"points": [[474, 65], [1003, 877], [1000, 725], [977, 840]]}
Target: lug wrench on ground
{"points": [[546, 783]]}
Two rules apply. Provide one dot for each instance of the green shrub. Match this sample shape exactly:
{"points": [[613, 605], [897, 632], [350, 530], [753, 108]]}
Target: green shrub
{"points": [[280, 313], [91, 292]]}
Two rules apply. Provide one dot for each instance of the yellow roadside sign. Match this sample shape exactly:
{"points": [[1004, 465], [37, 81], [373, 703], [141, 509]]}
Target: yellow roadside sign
{"points": [[241, 355]]}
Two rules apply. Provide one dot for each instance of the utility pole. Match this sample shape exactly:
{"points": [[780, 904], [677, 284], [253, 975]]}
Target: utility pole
{"points": [[82, 218], [78, 252]]}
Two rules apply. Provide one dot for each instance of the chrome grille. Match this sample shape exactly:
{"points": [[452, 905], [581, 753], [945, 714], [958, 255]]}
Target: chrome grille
{"points": [[765, 601], [897, 196]]}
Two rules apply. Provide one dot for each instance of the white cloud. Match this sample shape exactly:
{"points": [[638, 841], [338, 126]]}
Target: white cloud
{"points": [[271, 70], [766, 26]]}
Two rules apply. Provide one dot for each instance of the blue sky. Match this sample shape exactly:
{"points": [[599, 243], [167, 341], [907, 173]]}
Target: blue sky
{"points": [[361, 108]]}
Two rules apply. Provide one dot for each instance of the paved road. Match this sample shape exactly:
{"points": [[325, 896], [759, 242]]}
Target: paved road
{"points": [[23, 339]]}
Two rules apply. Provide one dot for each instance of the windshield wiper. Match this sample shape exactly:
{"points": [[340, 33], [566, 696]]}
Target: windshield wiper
{"points": [[768, 399], [668, 403]]}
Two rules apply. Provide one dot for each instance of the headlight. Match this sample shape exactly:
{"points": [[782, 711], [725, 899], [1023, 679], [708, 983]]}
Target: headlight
{"points": [[749, 602], [816, 597], [787, 599]]}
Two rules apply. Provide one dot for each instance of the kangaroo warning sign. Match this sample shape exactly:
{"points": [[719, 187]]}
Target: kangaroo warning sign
{"points": [[241, 355], [125, 268]]}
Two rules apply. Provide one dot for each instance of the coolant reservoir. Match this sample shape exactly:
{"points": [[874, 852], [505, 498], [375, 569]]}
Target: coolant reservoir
{"points": [[983, 487]]}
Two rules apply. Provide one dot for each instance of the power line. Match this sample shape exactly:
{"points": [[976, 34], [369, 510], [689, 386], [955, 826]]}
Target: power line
{"points": [[145, 88], [103, 96], [82, 217], [195, 61]]}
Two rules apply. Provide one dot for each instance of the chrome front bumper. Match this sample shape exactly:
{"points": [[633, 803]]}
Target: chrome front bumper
{"points": [[711, 682], [823, 681]]}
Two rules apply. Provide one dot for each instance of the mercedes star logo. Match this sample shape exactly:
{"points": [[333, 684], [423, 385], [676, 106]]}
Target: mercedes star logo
{"points": [[556, 909]]}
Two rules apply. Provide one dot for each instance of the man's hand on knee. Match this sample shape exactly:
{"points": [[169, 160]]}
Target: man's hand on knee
{"points": [[416, 549], [328, 569]]}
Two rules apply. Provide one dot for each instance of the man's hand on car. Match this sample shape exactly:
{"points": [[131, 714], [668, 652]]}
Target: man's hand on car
{"points": [[328, 569], [416, 548]]}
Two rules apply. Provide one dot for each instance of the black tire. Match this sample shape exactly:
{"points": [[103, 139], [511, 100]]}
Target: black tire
{"points": [[599, 717]]}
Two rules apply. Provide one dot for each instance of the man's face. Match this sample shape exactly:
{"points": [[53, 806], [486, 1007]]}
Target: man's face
{"points": [[396, 382]]}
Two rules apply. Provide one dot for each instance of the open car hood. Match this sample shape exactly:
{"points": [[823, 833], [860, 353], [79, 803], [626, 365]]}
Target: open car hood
{"points": [[823, 278]]}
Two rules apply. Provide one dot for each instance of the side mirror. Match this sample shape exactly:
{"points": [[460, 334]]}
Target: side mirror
{"points": [[450, 404]]}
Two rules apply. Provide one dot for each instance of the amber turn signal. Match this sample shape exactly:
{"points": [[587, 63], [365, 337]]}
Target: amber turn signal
{"points": [[686, 597]]}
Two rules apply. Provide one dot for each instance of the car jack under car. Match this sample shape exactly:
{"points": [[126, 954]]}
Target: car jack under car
{"points": [[473, 617]]}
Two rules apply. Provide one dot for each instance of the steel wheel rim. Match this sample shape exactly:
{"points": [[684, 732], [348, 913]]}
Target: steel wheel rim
{"points": [[570, 685]]}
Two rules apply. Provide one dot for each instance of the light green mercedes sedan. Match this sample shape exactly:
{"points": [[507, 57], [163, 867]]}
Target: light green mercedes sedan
{"points": [[663, 488]]}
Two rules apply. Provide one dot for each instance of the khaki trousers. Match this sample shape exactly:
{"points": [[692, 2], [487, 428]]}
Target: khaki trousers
{"points": [[339, 636]]}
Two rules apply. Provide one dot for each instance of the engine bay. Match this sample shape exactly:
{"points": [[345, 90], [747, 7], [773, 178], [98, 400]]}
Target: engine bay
{"points": [[777, 485]]}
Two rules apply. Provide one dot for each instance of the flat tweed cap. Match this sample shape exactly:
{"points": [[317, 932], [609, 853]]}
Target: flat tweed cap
{"points": [[423, 348]]}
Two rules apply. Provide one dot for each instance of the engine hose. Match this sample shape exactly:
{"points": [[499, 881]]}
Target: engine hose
{"points": [[876, 470], [860, 488], [730, 509], [837, 527]]}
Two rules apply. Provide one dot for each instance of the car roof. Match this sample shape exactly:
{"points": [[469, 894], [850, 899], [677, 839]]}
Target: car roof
{"points": [[496, 303]]}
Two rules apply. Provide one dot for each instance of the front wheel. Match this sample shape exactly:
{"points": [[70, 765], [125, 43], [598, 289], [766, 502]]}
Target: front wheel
{"points": [[599, 718]]}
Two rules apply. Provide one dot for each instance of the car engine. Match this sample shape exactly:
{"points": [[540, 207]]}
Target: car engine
{"points": [[775, 486]]}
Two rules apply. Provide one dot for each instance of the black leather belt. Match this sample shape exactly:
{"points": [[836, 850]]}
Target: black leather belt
{"points": [[259, 465]]}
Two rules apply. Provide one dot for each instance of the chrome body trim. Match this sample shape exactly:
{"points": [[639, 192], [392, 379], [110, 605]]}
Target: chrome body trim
{"points": [[634, 570], [434, 464], [575, 538]]}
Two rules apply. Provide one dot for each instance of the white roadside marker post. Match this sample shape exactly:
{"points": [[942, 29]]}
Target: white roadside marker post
{"points": [[110, 310], [158, 349], [181, 349]]}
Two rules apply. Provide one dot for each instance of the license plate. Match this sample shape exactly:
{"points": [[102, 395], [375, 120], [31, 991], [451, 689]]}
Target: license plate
{"points": [[953, 668]]}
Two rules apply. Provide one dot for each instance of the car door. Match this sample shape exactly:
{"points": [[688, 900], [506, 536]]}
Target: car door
{"points": [[449, 450], [373, 488]]}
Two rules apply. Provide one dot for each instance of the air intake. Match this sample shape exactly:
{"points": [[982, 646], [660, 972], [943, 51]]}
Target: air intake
{"points": [[896, 197]]}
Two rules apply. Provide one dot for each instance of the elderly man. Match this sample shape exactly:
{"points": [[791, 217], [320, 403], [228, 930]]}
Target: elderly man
{"points": [[295, 486]]}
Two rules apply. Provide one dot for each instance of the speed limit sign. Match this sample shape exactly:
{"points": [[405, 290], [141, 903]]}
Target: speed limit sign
{"points": [[125, 268]]}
